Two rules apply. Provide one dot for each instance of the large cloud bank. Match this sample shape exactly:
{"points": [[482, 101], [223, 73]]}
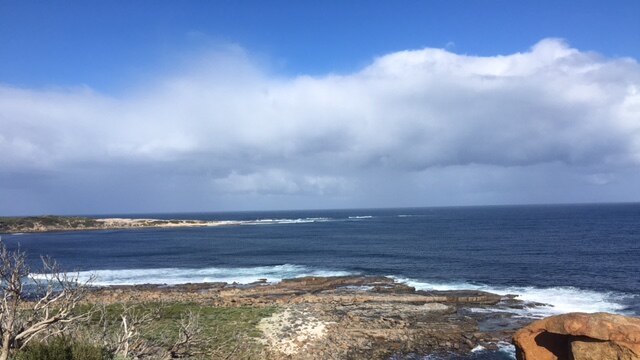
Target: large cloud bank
{"points": [[227, 127]]}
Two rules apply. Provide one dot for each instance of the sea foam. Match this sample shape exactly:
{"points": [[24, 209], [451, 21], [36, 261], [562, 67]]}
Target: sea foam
{"points": [[173, 276], [285, 221], [558, 300]]}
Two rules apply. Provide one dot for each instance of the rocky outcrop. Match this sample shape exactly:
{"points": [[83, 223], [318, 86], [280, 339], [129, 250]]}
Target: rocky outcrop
{"points": [[347, 317], [580, 336]]}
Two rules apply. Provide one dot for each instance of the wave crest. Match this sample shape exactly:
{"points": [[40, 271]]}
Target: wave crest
{"points": [[173, 276], [558, 300]]}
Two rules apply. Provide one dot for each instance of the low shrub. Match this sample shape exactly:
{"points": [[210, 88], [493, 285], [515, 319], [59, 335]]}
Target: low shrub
{"points": [[62, 348]]}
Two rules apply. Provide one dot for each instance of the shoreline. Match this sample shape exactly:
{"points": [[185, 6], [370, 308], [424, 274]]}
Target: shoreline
{"points": [[362, 316]]}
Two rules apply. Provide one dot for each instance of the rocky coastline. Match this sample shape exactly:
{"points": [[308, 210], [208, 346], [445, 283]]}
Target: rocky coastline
{"points": [[351, 317]]}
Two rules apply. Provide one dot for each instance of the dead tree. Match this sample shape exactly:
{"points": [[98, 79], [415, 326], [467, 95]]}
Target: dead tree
{"points": [[189, 336], [45, 309], [129, 342]]}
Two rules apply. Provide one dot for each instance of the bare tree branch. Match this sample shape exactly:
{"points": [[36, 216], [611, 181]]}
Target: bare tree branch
{"points": [[47, 308]]}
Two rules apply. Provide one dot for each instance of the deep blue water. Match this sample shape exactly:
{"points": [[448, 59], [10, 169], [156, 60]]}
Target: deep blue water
{"points": [[576, 257]]}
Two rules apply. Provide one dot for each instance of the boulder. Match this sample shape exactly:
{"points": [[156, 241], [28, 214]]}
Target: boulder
{"points": [[580, 336]]}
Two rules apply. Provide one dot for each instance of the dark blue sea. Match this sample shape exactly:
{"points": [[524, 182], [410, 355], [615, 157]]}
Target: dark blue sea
{"points": [[572, 257]]}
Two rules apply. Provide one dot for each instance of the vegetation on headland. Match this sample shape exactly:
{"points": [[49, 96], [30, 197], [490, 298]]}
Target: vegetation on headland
{"points": [[43, 223], [71, 223]]}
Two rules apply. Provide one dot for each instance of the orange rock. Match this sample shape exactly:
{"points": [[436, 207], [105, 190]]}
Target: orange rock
{"points": [[580, 336]]}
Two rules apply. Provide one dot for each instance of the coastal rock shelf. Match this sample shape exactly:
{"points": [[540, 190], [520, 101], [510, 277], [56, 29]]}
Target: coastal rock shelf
{"points": [[357, 317]]}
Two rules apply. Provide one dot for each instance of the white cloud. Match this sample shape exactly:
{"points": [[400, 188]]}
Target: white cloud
{"points": [[245, 130], [275, 181]]}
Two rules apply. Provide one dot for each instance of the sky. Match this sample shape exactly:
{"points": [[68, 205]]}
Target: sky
{"points": [[167, 106]]}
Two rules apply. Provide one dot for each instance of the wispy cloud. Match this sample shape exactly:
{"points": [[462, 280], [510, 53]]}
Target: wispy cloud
{"points": [[236, 127]]}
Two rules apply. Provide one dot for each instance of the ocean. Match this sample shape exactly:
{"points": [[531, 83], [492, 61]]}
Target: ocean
{"points": [[571, 257]]}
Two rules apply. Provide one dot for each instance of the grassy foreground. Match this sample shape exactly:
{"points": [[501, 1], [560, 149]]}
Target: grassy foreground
{"points": [[222, 332]]}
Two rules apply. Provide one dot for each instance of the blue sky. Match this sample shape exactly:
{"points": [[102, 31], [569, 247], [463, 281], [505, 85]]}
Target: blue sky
{"points": [[104, 44], [161, 106]]}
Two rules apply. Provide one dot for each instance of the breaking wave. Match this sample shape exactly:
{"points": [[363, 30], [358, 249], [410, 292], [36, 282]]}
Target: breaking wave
{"points": [[285, 221], [173, 276], [556, 300]]}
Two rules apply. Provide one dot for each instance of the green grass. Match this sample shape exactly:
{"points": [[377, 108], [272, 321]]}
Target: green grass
{"points": [[223, 327], [62, 348], [242, 319]]}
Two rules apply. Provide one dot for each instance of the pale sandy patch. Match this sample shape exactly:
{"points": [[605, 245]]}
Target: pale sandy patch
{"points": [[125, 223], [290, 332]]}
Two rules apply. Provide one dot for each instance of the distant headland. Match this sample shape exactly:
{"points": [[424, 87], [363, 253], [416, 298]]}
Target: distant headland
{"points": [[71, 223]]}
